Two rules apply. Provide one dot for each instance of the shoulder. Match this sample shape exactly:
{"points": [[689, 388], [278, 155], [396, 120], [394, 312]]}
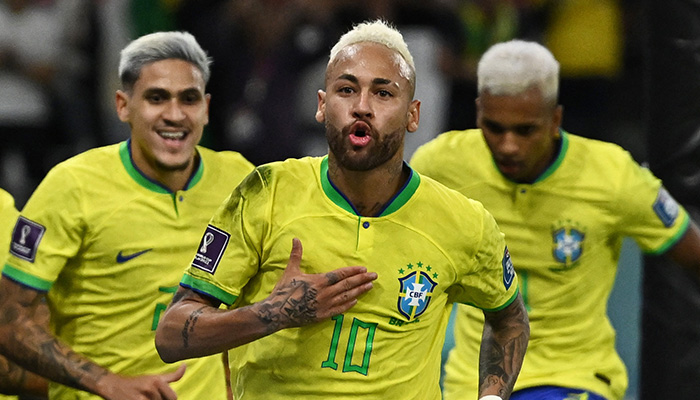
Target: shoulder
{"points": [[449, 141], [601, 160], [225, 157], [293, 173], [449, 202], [449, 151], [598, 151], [99, 162], [6, 200]]}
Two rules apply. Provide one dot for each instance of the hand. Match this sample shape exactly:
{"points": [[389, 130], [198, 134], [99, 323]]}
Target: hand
{"points": [[145, 387], [300, 299]]}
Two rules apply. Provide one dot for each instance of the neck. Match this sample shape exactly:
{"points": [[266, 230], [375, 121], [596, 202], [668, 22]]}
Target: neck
{"points": [[369, 191], [174, 180]]}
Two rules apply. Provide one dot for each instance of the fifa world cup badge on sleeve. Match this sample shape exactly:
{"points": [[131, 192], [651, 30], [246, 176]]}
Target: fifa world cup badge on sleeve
{"points": [[508, 270], [666, 208], [210, 249], [26, 238]]}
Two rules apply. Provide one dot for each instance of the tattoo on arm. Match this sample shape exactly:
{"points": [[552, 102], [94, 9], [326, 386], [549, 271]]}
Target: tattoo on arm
{"points": [[12, 377], [32, 346], [292, 305], [189, 326], [504, 342]]}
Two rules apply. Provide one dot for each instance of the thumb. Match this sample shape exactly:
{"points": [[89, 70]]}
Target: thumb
{"points": [[175, 375], [295, 257]]}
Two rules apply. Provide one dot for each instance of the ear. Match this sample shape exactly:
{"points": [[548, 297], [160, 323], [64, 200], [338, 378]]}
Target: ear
{"points": [[413, 116], [557, 118], [121, 101], [321, 109], [477, 103], [207, 98]]}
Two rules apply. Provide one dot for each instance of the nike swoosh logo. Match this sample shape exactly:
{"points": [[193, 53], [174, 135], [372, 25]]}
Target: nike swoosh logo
{"points": [[121, 258]]}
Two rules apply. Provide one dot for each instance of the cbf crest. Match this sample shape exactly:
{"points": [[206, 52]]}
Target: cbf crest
{"points": [[416, 289], [568, 244]]}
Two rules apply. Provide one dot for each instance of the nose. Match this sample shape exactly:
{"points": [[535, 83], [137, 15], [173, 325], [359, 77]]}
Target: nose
{"points": [[173, 111], [362, 107], [509, 144]]}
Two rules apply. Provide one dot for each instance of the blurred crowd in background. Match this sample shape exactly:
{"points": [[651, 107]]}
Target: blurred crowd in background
{"points": [[58, 69]]}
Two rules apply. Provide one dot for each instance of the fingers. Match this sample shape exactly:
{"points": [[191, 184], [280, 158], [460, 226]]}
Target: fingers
{"points": [[347, 278], [295, 257], [165, 392], [342, 294], [175, 375]]}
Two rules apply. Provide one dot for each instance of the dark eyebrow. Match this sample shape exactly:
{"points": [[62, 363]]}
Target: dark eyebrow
{"points": [[498, 125], [349, 77], [156, 90], [165, 93], [375, 81], [381, 81]]}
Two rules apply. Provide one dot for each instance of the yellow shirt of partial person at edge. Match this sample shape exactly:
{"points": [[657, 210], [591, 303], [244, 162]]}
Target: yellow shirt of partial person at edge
{"points": [[110, 246], [8, 217], [565, 233]]}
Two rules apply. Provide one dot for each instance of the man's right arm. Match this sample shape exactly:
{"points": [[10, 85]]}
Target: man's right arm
{"points": [[31, 346], [15, 380], [194, 326]]}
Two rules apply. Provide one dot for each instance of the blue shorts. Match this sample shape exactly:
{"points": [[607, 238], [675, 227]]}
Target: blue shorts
{"points": [[554, 393]]}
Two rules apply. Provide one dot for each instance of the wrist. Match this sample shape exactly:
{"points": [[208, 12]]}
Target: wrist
{"points": [[490, 397]]}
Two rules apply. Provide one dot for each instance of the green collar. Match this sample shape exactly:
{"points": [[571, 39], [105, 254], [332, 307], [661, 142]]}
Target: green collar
{"points": [[148, 183], [393, 205], [563, 147]]}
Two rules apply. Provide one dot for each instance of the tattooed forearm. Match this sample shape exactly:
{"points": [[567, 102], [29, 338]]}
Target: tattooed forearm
{"points": [[504, 341], [292, 305], [12, 377], [38, 351], [30, 345], [189, 326]]}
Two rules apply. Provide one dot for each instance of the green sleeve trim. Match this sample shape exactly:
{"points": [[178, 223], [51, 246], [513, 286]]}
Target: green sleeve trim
{"points": [[506, 304], [26, 279], [673, 240], [208, 289]]}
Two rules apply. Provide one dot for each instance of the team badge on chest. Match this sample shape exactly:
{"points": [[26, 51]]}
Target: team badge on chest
{"points": [[568, 244], [416, 290]]}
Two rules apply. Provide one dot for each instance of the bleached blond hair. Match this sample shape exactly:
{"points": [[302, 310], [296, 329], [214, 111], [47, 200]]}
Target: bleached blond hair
{"points": [[381, 32], [511, 68]]}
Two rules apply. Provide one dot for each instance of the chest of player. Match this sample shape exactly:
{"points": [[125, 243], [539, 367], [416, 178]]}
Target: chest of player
{"points": [[553, 228], [414, 272], [147, 235]]}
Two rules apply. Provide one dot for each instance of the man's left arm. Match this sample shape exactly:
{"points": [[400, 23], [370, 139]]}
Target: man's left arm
{"points": [[503, 344], [687, 251]]}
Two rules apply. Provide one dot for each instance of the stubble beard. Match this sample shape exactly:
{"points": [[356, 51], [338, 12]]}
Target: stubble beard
{"points": [[377, 153]]}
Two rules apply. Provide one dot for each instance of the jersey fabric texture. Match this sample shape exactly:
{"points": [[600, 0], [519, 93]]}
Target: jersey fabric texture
{"points": [[110, 246], [565, 233], [430, 247], [8, 216]]}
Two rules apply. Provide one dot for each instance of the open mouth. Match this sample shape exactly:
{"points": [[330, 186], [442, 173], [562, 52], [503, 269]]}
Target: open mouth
{"points": [[172, 135], [359, 136]]}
